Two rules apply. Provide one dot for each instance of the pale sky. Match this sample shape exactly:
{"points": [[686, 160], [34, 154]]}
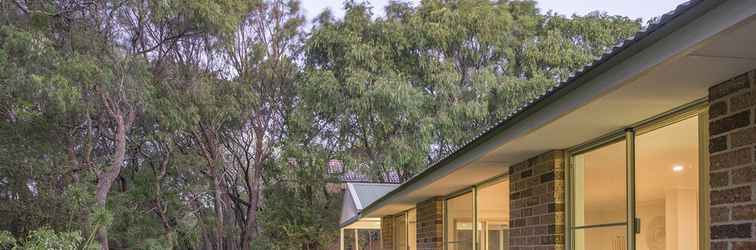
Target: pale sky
{"points": [[645, 9]]}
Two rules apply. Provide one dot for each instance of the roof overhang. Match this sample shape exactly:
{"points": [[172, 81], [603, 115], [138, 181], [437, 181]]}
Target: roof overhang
{"points": [[362, 223], [673, 65]]}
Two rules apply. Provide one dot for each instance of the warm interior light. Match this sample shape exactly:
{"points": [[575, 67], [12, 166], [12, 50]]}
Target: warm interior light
{"points": [[678, 168]]}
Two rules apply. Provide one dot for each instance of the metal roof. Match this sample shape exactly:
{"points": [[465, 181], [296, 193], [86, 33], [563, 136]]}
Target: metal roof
{"points": [[365, 194], [357, 196]]}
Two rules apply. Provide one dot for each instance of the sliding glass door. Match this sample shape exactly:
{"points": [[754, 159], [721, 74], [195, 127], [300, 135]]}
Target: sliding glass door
{"points": [[667, 187], [640, 189]]}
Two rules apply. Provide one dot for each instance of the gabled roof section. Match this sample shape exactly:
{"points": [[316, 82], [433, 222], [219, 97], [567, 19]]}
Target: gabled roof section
{"points": [[363, 194], [357, 196]]}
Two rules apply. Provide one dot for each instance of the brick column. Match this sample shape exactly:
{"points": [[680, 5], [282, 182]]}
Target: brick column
{"points": [[430, 227], [387, 233], [537, 203], [732, 173]]}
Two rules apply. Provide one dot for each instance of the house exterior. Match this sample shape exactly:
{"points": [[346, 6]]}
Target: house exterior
{"points": [[651, 147], [356, 232]]}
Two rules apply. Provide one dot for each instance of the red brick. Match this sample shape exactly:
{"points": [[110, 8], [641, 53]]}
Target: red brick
{"points": [[717, 109], [744, 175], [537, 203], [744, 245], [718, 144], [729, 123], [743, 137], [732, 195], [737, 84], [719, 179], [719, 245], [742, 101], [745, 212], [731, 231], [720, 214], [731, 159]]}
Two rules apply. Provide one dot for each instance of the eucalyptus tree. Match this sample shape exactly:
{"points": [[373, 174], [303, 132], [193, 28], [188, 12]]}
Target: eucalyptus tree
{"points": [[262, 59], [403, 90]]}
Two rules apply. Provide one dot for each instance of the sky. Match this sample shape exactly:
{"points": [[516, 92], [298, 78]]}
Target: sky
{"points": [[644, 9]]}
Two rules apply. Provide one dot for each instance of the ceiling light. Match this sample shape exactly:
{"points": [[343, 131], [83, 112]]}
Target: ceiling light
{"points": [[678, 168]]}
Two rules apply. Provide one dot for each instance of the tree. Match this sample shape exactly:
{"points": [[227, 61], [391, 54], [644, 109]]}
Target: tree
{"points": [[209, 124]]}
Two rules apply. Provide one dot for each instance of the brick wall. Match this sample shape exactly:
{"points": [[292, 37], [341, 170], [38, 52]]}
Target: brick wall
{"points": [[430, 227], [387, 233], [537, 203], [732, 175]]}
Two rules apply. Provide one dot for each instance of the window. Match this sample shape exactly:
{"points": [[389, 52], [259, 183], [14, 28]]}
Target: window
{"points": [[400, 232], [493, 216], [459, 222], [481, 214], [369, 239], [600, 197], [663, 196], [405, 230], [412, 229], [666, 186], [361, 239], [349, 239]]}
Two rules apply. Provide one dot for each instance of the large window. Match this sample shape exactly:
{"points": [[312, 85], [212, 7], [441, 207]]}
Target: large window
{"points": [[459, 222], [400, 232], [405, 230], [412, 229], [481, 214], [660, 162], [600, 197], [361, 239], [369, 239], [493, 216]]}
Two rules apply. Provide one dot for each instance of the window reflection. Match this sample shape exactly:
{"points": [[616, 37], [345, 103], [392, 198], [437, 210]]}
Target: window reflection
{"points": [[493, 216], [459, 222]]}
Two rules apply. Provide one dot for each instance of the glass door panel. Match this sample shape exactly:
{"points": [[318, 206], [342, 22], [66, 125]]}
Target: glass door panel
{"points": [[493, 215], [400, 232], [459, 222], [599, 177], [667, 187]]}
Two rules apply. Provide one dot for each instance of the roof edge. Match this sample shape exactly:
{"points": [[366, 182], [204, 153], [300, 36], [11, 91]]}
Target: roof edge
{"points": [[667, 24]]}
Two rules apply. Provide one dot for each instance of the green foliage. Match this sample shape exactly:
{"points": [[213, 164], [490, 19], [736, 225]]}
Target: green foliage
{"points": [[7, 241], [46, 239], [402, 90], [237, 91]]}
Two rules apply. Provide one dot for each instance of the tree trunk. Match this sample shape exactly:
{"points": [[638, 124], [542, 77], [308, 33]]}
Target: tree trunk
{"points": [[218, 193], [106, 178], [214, 164], [250, 225], [160, 209], [254, 177]]}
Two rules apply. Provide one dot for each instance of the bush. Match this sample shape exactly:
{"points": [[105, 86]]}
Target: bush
{"points": [[45, 239]]}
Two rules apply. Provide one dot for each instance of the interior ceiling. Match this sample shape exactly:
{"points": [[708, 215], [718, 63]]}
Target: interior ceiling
{"points": [[680, 79]]}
